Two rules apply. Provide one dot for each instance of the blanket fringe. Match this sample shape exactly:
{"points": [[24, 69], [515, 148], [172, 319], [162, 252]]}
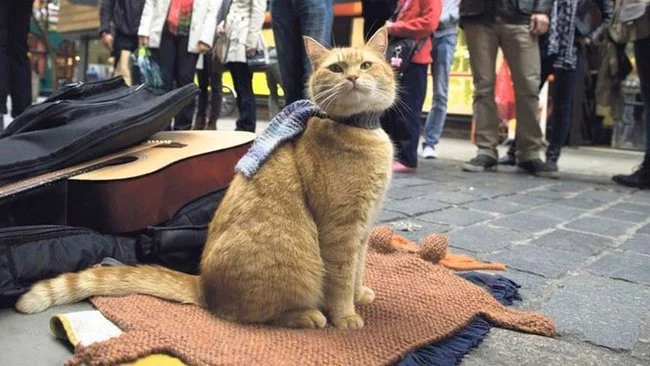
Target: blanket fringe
{"points": [[450, 351]]}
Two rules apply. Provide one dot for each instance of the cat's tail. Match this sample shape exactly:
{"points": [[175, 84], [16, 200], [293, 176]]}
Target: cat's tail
{"points": [[111, 281]]}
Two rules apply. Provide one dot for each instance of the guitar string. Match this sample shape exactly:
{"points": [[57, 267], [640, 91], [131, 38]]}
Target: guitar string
{"points": [[45, 179]]}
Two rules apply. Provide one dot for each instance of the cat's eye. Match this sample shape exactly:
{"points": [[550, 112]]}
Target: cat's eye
{"points": [[366, 65], [335, 68]]}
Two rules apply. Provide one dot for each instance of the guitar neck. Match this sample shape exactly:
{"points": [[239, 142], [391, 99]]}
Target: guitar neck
{"points": [[55, 176]]}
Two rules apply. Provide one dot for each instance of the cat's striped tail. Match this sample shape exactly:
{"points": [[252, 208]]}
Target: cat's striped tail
{"points": [[111, 281]]}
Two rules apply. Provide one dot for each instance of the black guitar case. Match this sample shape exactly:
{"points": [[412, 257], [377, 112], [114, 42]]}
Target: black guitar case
{"points": [[77, 125]]}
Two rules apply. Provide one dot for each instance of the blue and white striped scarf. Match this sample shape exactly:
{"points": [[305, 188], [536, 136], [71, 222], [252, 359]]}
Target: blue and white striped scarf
{"points": [[288, 124]]}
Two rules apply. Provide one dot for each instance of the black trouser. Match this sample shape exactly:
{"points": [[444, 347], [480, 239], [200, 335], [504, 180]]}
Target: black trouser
{"points": [[375, 15], [178, 66], [402, 123], [210, 75], [642, 56], [15, 71], [243, 80]]}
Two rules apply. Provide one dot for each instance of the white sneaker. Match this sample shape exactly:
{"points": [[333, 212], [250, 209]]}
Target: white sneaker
{"points": [[429, 153]]}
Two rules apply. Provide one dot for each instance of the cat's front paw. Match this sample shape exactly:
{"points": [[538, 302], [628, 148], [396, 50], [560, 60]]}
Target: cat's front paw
{"points": [[353, 321], [366, 296]]}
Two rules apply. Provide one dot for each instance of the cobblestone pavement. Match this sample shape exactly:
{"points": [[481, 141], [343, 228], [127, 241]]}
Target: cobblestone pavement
{"points": [[578, 246]]}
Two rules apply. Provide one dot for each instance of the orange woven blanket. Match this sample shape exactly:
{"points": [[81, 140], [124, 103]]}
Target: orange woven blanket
{"points": [[417, 303]]}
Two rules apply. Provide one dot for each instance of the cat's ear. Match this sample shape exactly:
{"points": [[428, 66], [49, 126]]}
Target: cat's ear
{"points": [[315, 50], [379, 41]]}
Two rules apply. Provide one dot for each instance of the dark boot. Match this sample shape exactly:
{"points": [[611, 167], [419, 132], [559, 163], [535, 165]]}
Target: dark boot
{"points": [[552, 156], [640, 178]]}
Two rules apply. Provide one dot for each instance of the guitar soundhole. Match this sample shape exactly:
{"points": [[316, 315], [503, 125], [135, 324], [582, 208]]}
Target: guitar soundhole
{"points": [[173, 144], [121, 160]]}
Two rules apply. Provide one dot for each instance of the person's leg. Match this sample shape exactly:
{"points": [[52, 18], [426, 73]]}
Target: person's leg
{"points": [[288, 42], [483, 45], [640, 178], [316, 18], [564, 87], [165, 56], [406, 126], [444, 48], [272, 82], [185, 70], [5, 70], [521, 51], [203, 76], [20, 75], [242, 78], [216, 98], [642, 56]]}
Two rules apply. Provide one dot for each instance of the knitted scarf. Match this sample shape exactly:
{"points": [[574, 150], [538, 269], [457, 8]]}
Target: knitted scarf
{"points": [[561, 35], [289, 123]]}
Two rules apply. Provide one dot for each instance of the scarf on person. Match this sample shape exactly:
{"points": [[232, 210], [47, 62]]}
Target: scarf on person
{"points": [[289, 123], [561, 34]]}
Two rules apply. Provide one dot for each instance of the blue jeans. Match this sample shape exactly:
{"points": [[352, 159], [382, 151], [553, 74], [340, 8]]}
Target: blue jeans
{"points": [[402, 122], [291, 19], [642, 55], [443, 57]]}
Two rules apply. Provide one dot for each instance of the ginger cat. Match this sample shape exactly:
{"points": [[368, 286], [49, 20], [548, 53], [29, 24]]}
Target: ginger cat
{"points": [[288, 244]]}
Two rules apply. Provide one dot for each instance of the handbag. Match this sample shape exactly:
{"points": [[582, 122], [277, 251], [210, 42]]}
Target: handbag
{"points": [[400, 50], [631, 21]]}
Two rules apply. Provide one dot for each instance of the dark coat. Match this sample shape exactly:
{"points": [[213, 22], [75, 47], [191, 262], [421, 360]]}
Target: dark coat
{"points": [[121, 16]]}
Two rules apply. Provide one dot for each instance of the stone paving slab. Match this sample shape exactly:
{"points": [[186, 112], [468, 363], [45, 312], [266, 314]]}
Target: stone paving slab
{"points": [[495, 206], [526, 200], [645, 230], [557, 211], [644, 209], [639, 243], [415, 206], [580, 202], [546, 262], [387, 216], [527, 222], [601, 226], [599, 310], [573, 242], [455, 217], [508, 348], [624, 215], [484, 239], [628, 266]]}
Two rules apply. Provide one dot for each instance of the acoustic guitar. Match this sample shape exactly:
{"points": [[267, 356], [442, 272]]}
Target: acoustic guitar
{"points": [[148, 186]]}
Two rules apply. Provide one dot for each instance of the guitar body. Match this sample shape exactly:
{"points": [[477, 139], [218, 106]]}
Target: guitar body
{"points": [[149, 186]]}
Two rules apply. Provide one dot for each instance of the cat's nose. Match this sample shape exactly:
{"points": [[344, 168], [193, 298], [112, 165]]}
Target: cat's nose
{"points": [[352, 78]]}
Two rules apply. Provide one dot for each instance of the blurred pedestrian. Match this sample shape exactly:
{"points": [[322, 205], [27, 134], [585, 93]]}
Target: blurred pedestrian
{"points": [[638, 32], [15, 70], [562, 50], [118, 29], [292, 19], [515, 27], [444, 41], [415, 20], [242, 36], [178, 31]]}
